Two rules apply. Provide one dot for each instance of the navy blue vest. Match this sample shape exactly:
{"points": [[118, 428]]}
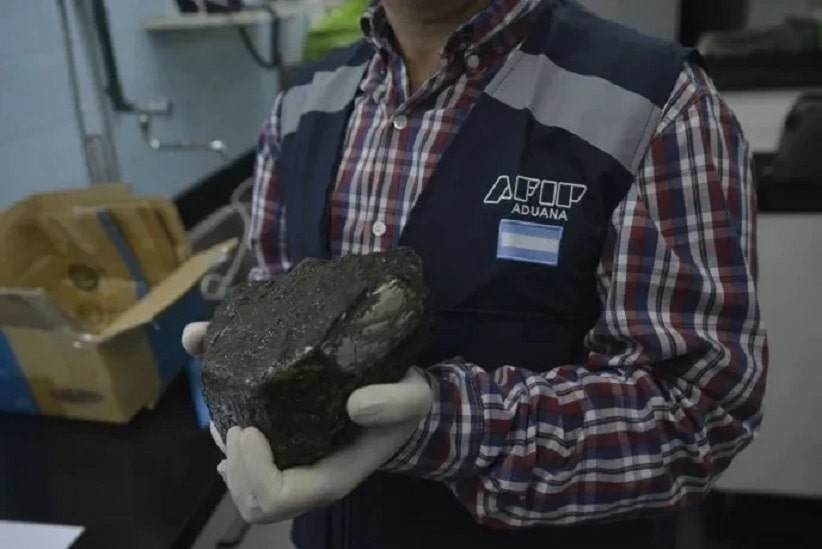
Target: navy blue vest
{"points": [[510, 227]]}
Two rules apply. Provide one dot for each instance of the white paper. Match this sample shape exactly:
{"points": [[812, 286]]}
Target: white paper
{"points": [[26, 535]]}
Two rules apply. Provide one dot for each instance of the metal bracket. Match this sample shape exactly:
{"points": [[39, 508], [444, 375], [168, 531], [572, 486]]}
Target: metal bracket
{"points": [[160, 107], [215, 145]]}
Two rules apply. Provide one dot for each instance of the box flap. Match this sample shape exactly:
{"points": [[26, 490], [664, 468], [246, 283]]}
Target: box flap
{"points": [[31, 308], [61, 199], [81, 196], [165, 293]]}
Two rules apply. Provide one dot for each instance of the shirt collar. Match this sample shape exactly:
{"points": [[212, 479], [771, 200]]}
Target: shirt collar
{"points": [[481, 29]]}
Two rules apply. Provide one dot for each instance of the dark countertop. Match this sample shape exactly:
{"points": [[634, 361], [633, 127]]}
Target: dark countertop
{"points": [[150, 484]]}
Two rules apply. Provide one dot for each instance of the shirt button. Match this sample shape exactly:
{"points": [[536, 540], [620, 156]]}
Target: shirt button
{"points": [[472, 61], [400, 122], [378, 228]]}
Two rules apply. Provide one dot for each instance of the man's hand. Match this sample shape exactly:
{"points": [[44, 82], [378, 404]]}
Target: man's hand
{"points": [[389, 414]]}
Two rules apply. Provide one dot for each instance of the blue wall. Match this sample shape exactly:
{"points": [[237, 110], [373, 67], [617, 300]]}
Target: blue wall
{"points": [[216, 89], [39, 142]]}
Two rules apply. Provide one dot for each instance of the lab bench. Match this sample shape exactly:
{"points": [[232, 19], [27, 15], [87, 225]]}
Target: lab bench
{"points": [[150, 484]]}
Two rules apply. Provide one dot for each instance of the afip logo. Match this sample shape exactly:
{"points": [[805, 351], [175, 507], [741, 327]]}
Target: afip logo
{"points": [[534, 197]]}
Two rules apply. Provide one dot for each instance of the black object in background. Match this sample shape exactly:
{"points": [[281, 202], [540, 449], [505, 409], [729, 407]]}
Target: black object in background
{"points": [[214, 191], [698, 16], [790, 180], [752, 70], [190, 6], [799, 156], [187, 6], [223, 6]]}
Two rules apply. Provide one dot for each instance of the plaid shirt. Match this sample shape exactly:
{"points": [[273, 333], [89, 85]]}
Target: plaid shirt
{"points": [[672, 387]]}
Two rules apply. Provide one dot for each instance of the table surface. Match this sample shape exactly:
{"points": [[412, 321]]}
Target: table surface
{"points": [[151, 483]]}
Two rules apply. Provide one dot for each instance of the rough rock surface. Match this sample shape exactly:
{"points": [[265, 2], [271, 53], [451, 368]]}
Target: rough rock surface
{"points": [[284, 355]]}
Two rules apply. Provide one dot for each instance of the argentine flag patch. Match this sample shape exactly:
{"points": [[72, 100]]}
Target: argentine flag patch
{"points": [[529, 242]]}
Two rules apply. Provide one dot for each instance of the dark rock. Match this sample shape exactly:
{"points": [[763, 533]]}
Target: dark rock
{"points": [[284, 355]]}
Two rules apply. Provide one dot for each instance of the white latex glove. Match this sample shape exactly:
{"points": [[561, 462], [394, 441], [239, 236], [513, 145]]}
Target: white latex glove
{"points": [[389, 413]]}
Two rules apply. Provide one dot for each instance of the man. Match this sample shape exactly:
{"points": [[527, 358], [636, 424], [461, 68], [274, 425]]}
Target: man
{"points": [[583, 201]]}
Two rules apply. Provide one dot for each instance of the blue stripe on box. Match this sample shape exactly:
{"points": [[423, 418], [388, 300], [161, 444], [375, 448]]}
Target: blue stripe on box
{"points": [[165, 331], [15, 393], [120, 243], [529, 242]]}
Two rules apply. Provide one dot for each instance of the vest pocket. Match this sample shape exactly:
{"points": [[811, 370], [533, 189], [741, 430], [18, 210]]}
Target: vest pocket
{"points": [[491, 339]]}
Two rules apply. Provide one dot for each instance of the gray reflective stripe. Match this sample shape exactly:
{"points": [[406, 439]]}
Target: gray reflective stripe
{"points": [[328, 91], [617, 121]]}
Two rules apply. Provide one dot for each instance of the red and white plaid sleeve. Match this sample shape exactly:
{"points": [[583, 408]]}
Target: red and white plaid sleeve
{"points": [[266, 236], [673, 384]]}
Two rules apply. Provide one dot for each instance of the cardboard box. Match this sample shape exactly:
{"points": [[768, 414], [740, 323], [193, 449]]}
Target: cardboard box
{"points": [[94, 294]]}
